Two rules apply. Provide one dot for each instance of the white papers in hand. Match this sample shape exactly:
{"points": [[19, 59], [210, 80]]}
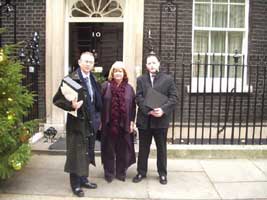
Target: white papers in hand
{"points": [[70, 94]]}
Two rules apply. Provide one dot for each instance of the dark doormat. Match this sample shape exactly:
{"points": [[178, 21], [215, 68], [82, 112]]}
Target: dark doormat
{"points": [[60, 144]]}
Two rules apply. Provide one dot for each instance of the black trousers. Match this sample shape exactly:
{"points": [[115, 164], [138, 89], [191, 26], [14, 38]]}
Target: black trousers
{"points": [[145, 139], [115, 155]]}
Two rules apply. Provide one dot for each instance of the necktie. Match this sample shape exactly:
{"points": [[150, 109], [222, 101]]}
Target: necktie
{"points": [[152, 79], [89, 87]]}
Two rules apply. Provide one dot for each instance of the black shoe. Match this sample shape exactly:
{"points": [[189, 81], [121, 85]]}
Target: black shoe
{"points": [[108, 179], [121, 178], [138, 178], [163, 180], [78, 192], [89, 185]]}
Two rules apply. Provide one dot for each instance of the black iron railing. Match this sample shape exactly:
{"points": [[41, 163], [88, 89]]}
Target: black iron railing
{"points": [[28, 55], [220, 102]]}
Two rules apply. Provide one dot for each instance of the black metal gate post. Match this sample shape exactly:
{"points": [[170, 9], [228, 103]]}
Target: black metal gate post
{"points": [[29, 56], [169, 8]]}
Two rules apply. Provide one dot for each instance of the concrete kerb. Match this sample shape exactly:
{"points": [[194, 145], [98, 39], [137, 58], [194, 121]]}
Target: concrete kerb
{"points": [[194, 151], [217, 151]]}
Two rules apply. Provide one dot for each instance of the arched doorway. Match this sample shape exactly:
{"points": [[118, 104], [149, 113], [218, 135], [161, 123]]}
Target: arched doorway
{"points": [[95, 26], [105, 40], [61, 13]]}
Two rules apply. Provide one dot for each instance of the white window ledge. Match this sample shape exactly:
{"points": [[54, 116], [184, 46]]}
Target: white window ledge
{"points": [[219, 86]]}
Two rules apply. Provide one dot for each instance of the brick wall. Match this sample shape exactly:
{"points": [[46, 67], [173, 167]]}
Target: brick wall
{"points": [[257, 49], [257, 44], [258, 28], [30, 18], [184, 29]]}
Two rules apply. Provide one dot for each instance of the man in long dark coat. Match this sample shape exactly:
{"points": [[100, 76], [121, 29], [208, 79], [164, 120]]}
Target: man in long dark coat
{"points": [[81, 130], [154, 122]]}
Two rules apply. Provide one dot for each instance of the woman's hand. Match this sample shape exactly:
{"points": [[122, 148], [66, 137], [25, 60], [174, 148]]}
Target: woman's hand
{"points": [[100, 126], [131, 127]]}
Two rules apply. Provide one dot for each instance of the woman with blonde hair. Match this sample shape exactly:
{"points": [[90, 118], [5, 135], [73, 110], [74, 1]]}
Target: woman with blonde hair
{"points": [[118, 115]]}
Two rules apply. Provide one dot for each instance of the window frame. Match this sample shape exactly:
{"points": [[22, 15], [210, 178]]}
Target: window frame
{"points": [[197, 83]]}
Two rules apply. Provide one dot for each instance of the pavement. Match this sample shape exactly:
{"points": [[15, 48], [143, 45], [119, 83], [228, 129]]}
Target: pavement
{"points": [[195, 179]]}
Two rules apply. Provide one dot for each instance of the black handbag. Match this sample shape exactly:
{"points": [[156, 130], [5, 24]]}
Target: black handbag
{"points": [[98, 135]]}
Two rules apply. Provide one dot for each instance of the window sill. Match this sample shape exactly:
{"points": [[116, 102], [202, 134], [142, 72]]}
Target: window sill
{"points": [[219, 86]]}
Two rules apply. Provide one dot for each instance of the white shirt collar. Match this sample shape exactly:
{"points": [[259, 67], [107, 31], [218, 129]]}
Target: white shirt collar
{"points": [[85, 75], [150, 74]]}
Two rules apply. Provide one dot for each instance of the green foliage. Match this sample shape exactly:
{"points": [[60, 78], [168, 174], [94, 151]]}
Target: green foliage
{"points": [[2, 30], [15, 102], [99, 77]]}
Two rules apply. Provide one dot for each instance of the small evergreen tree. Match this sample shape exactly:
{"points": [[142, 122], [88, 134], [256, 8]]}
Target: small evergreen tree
{"points": [[15, 102]]}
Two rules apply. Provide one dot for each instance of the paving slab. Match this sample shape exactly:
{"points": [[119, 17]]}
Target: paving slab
{"points": [[38, 182], [242, 190], [57, 183], [179, 165], [41, 179], [182, 185], [232, 170], [194, 179], [98, 171], [261, 164], [54, 162], [118, 189], [43, 197]]}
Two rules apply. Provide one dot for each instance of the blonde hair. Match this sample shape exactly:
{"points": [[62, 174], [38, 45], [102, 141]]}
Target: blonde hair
{"points": [[118, 64]]}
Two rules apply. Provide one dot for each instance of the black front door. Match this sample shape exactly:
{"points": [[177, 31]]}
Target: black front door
{"points": [[105, 40]]}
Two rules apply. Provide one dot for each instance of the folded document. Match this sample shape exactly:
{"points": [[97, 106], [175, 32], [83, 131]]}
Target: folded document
{"points": [[70, 89]]}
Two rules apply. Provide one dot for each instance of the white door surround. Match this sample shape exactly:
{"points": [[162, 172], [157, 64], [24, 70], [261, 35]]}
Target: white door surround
{"points": [[57, 19]]}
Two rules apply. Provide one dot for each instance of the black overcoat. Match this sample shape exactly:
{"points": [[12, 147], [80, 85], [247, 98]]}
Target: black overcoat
{"points": [[164, 84], [80, 134]]}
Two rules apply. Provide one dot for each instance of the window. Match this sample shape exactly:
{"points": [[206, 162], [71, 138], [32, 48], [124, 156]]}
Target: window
{"points": [[97, 8], [220, 27]]}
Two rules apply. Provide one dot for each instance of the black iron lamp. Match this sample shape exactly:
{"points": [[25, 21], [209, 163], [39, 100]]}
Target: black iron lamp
{"points": [[7, 7], [29, 54], [236, 56], [170, 6]]}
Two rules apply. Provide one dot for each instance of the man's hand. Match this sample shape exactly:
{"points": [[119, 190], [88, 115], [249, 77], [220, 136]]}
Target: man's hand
{"points": [[100, 126], [76, 104], [156, 112]]}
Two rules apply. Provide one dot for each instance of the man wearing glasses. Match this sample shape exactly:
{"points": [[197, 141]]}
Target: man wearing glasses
{"points": [[81, 129]]}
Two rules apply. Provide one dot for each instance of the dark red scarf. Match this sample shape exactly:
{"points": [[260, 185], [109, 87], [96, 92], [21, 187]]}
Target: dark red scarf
{"points": [[118, 108]]}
